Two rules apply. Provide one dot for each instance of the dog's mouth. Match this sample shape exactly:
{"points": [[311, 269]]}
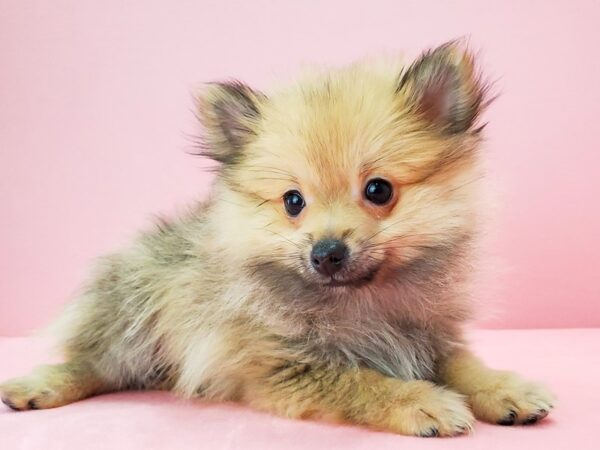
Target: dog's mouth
{"points": [[354, 282]]}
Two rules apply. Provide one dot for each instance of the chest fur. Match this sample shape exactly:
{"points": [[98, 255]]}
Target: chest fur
{"points": [[400, 351]]}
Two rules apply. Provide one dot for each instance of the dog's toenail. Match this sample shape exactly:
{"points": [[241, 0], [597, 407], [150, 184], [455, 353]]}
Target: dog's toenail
{"points": [[530, 420], [32, 404], [506, 422], [432, 432], [10, 404], [509, 419]]}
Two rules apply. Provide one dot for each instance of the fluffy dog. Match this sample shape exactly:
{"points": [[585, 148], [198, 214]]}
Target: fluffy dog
{"points": [[327, 276]]}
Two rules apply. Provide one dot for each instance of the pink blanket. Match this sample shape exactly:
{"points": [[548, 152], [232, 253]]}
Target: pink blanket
{"points": [[568, 361]]}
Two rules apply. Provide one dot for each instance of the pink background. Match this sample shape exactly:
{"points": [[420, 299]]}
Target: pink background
{"points": [[95, 108]]}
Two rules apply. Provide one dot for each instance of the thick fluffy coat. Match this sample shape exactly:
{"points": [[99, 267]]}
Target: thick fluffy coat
{"points": [[229, 302]]}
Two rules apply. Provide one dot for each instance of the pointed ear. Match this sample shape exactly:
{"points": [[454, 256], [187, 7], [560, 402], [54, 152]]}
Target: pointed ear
{"points": [[230, 114], [444, 88]]}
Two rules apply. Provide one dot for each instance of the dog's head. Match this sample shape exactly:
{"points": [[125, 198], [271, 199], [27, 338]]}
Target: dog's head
{"points": [[347, 177]]}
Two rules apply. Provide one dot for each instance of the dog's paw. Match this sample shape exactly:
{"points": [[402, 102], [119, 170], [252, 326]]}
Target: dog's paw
{"points": [[507, 399], [31, 392], [46, 387], [428, 410], [24, 393]]}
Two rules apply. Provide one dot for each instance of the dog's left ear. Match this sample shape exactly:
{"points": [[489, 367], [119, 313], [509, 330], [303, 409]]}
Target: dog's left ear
{"points": [[444, 88], [230, 113]]}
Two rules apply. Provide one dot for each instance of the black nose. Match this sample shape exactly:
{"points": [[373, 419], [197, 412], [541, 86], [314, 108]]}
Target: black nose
{"points": [[328, 256]]}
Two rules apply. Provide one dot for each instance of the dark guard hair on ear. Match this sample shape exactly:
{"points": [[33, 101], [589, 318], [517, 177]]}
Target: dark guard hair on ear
{"points": [[230, 115], [444, 88]]}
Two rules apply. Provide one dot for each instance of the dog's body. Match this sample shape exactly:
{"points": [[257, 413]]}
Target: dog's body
{"points": [[327, 275]]}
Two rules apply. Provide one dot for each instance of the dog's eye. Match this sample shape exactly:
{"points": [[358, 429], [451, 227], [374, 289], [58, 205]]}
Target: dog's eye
{"points": [[294, 203], [378, 191]]}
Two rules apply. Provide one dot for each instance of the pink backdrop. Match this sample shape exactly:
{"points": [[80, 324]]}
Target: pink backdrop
{"points": [[95, 106]]}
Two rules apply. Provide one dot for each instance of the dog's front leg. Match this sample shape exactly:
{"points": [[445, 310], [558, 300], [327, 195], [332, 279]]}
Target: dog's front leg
{"points": [[495, 396]]}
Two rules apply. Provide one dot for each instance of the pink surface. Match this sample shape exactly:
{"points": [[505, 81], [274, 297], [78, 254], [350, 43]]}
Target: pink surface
{"points": [[95, 105], [566, 360]]}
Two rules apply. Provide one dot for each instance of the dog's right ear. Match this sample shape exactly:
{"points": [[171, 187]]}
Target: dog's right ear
{"points": [[230, 113]]}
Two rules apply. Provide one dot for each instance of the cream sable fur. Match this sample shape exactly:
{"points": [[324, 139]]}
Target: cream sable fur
{"points": [[327, 276]]}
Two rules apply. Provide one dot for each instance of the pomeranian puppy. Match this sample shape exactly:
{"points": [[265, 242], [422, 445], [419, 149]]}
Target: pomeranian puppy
{"points": [[326, 276]]}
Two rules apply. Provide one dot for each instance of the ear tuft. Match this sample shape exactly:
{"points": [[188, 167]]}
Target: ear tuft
{"points": [[444, 88], [230, 114]]}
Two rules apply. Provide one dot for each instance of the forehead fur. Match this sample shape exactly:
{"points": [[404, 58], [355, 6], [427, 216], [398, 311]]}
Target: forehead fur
{"points": [[353, 122]]}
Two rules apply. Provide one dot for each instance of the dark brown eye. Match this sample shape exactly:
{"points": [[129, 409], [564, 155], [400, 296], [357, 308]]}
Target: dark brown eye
{"points": [[294, 203], [378, 191]]}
